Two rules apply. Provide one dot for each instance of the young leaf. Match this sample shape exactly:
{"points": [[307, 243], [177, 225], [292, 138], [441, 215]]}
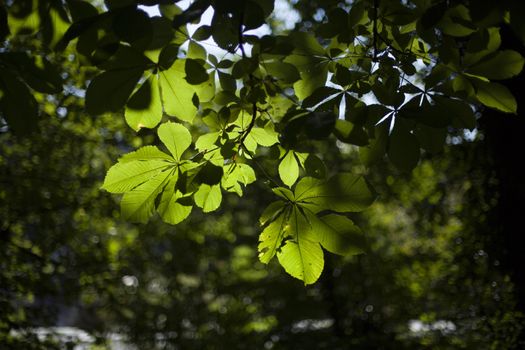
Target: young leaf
{"points": [[208, 197], [175, 137], [289, 169]]}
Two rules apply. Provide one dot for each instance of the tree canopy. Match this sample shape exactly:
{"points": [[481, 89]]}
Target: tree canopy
{"points": [[298, 119]]}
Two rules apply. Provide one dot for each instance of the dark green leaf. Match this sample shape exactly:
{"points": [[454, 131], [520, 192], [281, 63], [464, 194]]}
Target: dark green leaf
{"points": [[109, 91], [195, 72], [18, 106]]}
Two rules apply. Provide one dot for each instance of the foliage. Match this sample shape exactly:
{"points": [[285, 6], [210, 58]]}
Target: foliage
{"points": [[300, 116], [387, 76]]}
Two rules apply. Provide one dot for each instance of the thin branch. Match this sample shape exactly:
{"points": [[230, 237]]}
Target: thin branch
{"points": [[375, 33]]}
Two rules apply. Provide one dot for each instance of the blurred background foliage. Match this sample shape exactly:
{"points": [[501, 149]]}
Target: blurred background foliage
{"points": [[432, 277]]}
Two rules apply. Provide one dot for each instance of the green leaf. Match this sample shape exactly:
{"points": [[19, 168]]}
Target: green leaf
{"points": [[496, 96], [109, 91], [172, 208], [177, 94], [376, 148], [18, 106], [271, 212], [350, 133], [144, 109], [289, 169], [403, 148], [301, 257], [338, 234], [175, 137], [343, 192], [139, 204], [283, 71], [238, 174], [146, 153], [271, 237], [207, 141], [502, 65], [264, 136], [208, 197], [195, 72], [124, 176]]}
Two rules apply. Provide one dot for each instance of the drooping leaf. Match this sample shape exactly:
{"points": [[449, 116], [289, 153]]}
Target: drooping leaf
{"points": [[264, 136]]}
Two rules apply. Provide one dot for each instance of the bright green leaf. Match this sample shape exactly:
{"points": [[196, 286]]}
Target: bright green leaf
{"points": [[175, 137], [144, 108], [208, 197], [124, 176], [139, 204], [289, 169]]}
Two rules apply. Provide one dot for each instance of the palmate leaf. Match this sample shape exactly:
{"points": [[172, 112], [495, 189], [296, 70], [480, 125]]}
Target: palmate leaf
{"points": [[301, 255], [295, 233]]}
